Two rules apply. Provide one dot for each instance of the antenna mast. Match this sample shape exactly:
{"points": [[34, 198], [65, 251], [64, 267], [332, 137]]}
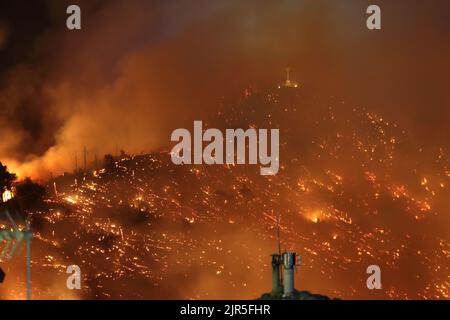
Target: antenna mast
{"points": [[278, 234]]}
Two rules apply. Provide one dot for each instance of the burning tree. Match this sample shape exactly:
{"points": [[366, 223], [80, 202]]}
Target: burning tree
{"points": [[27, 194], [6, 178]]}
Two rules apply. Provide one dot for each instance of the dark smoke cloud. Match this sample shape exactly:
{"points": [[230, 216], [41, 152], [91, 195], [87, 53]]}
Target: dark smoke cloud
{"points": [[139, 69]]}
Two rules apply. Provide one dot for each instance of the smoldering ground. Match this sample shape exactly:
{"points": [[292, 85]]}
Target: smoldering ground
{"points": [[139, 69]]}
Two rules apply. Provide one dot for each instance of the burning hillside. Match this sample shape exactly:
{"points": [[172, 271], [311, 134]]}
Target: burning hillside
{"points": [[353, 190]]}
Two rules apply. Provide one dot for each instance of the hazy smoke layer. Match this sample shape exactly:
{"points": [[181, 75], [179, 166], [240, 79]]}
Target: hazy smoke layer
{"points": [[139, 69]]}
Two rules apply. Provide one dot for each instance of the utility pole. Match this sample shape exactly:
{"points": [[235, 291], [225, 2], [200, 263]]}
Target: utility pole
{"points": [[85, 156], [96, 161]]}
